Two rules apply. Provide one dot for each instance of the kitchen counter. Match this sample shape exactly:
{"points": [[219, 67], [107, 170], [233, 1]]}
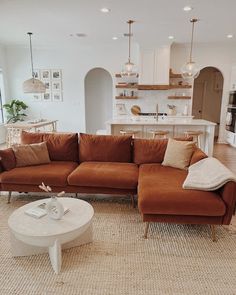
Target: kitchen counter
{"points": [[165, 121], [176, 127]]}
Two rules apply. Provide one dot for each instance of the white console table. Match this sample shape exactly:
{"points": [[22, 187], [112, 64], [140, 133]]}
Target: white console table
{"points": [[14, 130]]}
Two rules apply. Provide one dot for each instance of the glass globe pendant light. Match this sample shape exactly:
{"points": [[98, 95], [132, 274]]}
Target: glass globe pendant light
{"points": [[129, 70], [33, 85], [190, 70]]}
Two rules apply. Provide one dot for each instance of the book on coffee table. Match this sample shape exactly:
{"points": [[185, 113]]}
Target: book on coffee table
{"points": [[40, 211]]}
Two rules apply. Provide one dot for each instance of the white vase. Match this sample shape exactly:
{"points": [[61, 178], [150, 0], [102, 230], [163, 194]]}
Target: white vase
{"points": [[54, 208]]}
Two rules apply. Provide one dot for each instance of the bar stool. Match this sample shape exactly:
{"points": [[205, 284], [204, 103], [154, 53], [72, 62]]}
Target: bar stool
{"points": [[129, 132], [159, 134], [195, 134]]}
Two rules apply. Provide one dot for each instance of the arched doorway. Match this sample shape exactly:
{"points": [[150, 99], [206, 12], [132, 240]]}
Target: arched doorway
{"points": [[98, 99], [207, 96]]}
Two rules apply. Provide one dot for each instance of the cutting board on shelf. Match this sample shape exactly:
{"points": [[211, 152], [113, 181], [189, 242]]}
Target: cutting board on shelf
{"points": [[135, 110]]}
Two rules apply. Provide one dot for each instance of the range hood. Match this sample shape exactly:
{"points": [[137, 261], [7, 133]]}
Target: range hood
{"points": [[154, 68]]}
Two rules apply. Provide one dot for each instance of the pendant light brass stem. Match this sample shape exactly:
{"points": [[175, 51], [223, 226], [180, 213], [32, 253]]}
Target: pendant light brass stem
{"points": [[31, 53], [193, 21], [130, 34], [33, 85]]}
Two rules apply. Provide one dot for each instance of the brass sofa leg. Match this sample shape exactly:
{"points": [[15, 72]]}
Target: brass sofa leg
{"points": [[9, 198], [146, 230], [132, 201], [213, 232]]}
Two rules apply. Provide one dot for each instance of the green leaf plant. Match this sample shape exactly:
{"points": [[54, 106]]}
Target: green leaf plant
{"points": [[14, 110]]}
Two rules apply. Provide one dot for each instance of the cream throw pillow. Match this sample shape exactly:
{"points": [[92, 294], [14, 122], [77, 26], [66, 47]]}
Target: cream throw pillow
{"points": [[31, 154], [178, 153]]}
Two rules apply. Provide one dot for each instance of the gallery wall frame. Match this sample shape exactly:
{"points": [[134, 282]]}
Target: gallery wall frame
{"points": [[52, 78]]}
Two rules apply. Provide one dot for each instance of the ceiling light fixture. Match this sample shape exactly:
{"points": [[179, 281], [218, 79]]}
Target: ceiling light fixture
{"points": [[105, 10], [129, 69], [81, 35], [187, 8], [114, 38], [229, 36], [190, 70], [171, 37], [33, 85]]}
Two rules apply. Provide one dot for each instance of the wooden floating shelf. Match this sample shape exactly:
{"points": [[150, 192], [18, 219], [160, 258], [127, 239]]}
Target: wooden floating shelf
{"points": [[162, 87], [126, 97], [119, 76], [153, 87], [179, 97], [179, 86], [135, 86]]}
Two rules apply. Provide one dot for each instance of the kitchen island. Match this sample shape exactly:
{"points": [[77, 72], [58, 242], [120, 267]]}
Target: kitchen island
{"points": [[175, 126]]}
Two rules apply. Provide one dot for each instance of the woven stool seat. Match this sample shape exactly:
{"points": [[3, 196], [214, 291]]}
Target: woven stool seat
{"points": [[195, 134], [161, 134], [129, 132]]}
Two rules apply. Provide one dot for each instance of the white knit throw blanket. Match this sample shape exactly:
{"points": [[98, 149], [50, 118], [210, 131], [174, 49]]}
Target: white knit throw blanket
{"points": [[208, 175]]}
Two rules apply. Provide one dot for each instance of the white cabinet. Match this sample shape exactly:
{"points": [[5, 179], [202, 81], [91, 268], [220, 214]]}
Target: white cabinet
{"points": [[233, 78], [155, 66], [230, 138]]}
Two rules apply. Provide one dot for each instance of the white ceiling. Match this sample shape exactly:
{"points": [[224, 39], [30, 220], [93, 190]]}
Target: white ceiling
{"points": [[52, 21]]}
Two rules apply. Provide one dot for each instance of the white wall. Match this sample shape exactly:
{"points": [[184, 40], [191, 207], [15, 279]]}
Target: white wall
{"points": [[75, 63], [98, 99], [4, 87], [221, 56]]}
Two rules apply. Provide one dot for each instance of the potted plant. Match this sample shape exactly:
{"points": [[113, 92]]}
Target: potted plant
{"points": [[15, 110]]}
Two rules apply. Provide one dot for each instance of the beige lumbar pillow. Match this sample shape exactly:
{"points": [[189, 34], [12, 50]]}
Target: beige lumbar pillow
{"points": [[178, 153], [31, 154]]}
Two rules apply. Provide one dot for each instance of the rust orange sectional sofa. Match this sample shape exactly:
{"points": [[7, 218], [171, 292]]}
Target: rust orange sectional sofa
{"points": [[122, 166]]}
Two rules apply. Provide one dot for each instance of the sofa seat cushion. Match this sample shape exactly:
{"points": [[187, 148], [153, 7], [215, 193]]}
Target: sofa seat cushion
{"points": [[106, 174], [54, 173], [160, 192]]}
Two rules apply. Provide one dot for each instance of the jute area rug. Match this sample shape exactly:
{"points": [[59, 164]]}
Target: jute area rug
{"points": [[175, 259]]}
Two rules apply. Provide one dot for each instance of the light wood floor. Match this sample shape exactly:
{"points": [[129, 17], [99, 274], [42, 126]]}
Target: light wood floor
{"points": [[227, 155]]}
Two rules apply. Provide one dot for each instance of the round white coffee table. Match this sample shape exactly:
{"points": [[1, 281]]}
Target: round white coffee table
{"points": [[30, 236]]}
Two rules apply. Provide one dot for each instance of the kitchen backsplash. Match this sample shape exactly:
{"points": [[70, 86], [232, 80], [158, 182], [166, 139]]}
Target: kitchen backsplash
{"points": [[147, 101]]}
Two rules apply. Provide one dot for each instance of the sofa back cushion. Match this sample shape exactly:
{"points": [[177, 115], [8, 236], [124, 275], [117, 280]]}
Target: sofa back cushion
{"points": [[30, 137], [198, 155], [149, 150], [7, 158], [105, 148], [152, 150], [61, 146], [31, 154]]}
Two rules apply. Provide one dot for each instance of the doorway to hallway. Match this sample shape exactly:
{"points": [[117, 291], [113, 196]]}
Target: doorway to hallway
{"points": [[207, 96]]}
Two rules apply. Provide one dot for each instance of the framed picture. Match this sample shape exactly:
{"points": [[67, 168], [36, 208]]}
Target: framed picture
{"points": [[120, 108], [37, 97], [47, 85], [56, 86], [45, 74], [56, 74], [57, 96], [47, 96], [36, 74]]}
